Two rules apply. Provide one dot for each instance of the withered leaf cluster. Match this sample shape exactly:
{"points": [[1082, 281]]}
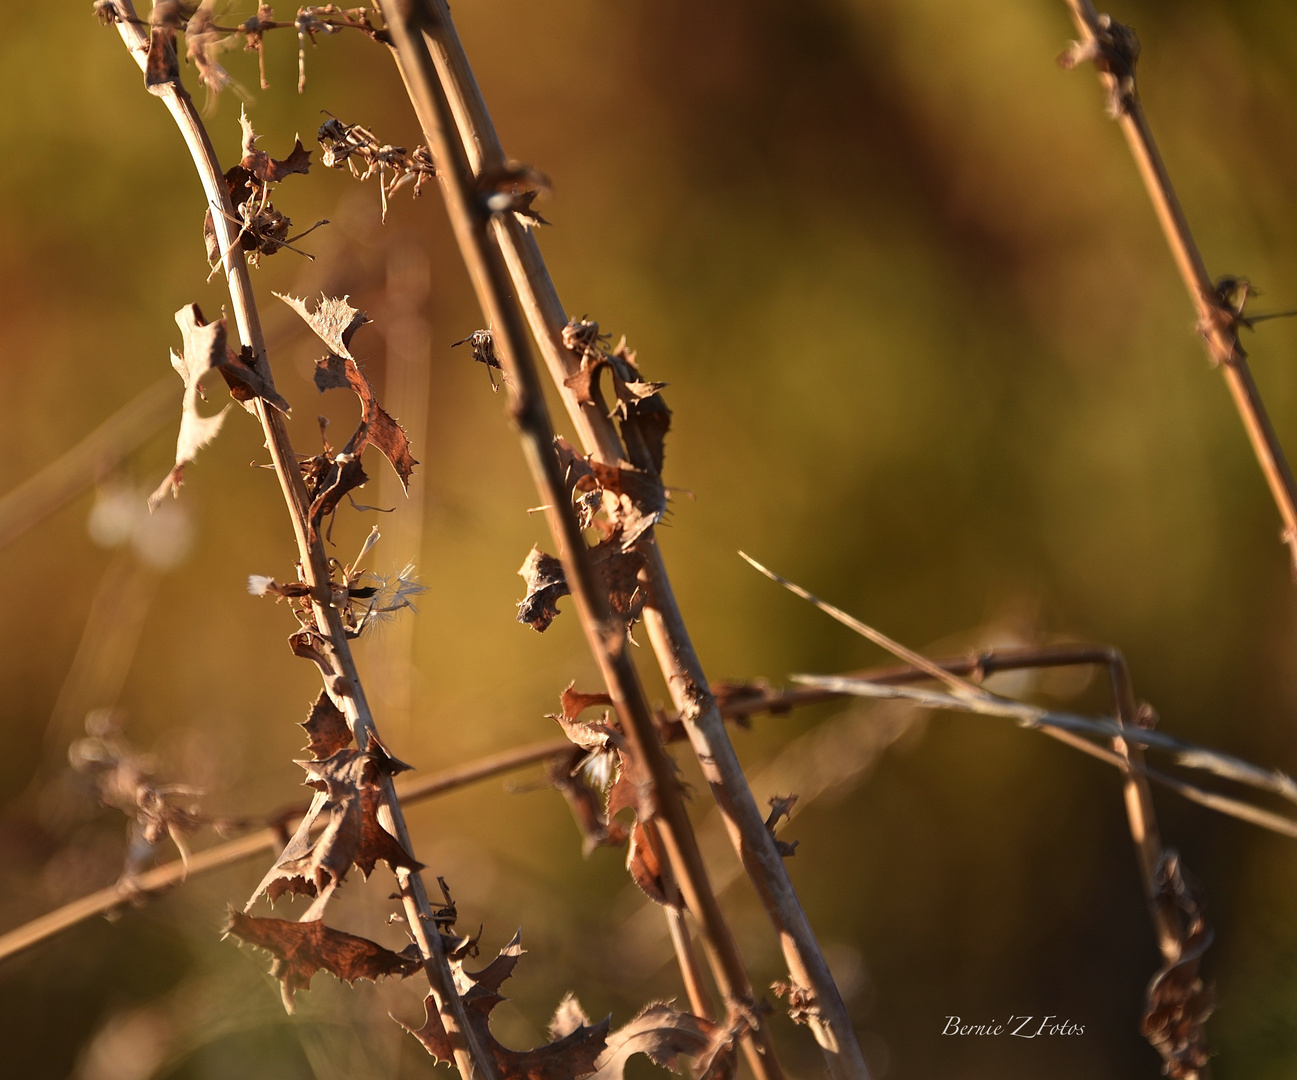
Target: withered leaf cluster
{"points": [[331, 476], [341, 829], [578, 1048], [205, 348], [601, 778], [638, 407], [620, 501], [360, 150], [1179, 1002], [263, 229]]}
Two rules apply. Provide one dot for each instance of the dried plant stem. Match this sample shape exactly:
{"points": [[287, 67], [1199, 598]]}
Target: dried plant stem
{"points": [[676, 656], [1217, 324], [262, 840], [469, 1057], [661, 800]]}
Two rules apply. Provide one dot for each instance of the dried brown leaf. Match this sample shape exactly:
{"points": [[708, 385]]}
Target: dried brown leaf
{"points": [[204, 348], [162, 68], [335, 322], [347, 799], [617, 571], [301, 949], [565, 1058], [262, 166], [543, 575], [645, 867], [661, 1033], [1179, 1002], [327, 730]]}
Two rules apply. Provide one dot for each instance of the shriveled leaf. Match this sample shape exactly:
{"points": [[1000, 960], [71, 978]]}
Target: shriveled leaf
{"points": [[545, 582], [327, 730], [301, 949], [346, 474], [616, 570], [348, 799], [335, 322], [569, 775], [266, 169], [1179, 1001], [645, 867], [566, 1058], [662, 1034], [162, 68], [575, 702], [204, 348]]}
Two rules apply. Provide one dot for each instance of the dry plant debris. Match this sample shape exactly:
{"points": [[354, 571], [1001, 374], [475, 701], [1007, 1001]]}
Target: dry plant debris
{"points": [[360, 150]]}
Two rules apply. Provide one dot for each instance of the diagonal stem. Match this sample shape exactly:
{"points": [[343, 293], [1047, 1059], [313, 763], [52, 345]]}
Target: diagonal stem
{"points": [[666, 628], [661, 800], [1217, 324], [469, 1057]]}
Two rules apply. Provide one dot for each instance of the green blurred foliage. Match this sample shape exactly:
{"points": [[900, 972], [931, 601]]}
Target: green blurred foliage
{"points": [[928, 356]]}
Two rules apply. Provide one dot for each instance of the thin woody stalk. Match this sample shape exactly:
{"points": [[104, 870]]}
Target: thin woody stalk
{"points": [[1115, 51], [469, 1057], [667, 632], [661, 798], [743, 706]]}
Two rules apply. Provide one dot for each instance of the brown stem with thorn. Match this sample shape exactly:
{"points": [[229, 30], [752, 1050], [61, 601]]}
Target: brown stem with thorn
{"points": [[670, 639], [469, 1057], [661, 799], [1217, 324]]}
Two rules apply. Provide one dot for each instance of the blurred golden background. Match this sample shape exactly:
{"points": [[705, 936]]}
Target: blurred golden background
{"points": [[928, 355]]}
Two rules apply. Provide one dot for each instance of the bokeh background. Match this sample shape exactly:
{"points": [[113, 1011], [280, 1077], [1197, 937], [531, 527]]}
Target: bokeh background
{"points": [[928, 356]]}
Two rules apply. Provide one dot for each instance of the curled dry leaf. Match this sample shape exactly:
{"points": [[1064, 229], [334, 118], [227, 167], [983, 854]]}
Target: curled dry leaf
{"points": [[483, 346], [335, 322], [1179, 1002], [327, 730], [573, 1054], [347, 801], [642, 413], [632, 500], [301, 949], [667, 1037], [263, 230], [599, 780], [617, 571], [205, 348]]}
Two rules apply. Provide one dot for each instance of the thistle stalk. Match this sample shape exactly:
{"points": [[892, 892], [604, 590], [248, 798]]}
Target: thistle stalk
{"points": [[1115, 51], [529, 278], [469, 1057], [661, 798]]}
